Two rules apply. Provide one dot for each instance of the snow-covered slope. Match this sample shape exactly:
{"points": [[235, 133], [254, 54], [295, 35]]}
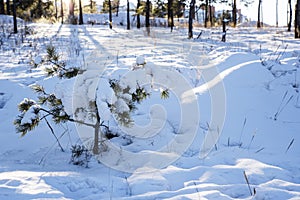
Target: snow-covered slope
{"points": [[247, 94]]}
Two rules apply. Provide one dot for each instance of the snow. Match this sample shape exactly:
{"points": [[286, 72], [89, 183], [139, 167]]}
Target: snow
{"points": [[140, 60], [233, 109], [30, 115]]}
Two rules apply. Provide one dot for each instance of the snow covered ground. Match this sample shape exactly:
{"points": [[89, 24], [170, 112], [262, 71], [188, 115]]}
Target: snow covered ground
{"points": [[247, 114]]}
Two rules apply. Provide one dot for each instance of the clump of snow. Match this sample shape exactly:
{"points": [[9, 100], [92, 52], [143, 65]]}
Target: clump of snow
{"points": [[38, 60], [121, 106], [140, 60], [31, 114]]}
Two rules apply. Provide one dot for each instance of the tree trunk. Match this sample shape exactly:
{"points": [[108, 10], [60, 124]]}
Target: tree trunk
{"points": [[276, 13], [80, 13], [128, 16], [2, 7], [192, 9], [170, 14], [110, 14], [148, 17], [71, 8], [258, 14], [290, 16], [118, 5], [56, 15], [7, 7], [210, 14], [138, 19], [224, 28], [234, 13], [15, 16], [297, 19], [206, 14], [62, 11], [91, 6]]}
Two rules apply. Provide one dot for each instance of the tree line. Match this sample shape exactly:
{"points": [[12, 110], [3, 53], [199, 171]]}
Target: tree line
{"points": [[31, 10]]}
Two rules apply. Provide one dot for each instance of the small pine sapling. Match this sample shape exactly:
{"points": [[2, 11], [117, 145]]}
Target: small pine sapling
{"points": [[80, 155]]}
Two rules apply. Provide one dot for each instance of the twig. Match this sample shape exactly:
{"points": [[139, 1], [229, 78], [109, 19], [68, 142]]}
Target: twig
{"points": [[281, 53], [199, 197], [43, 158], [246, 178], [289, 145], [276, 115], [244, 124], [281, 106], [259, 150], [52, 131], [252, 139]]}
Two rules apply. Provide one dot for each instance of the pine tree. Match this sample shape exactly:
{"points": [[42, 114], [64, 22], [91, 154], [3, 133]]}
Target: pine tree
{"points": [[32, 113]]}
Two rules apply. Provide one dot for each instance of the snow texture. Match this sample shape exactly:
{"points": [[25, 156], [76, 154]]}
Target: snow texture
{"points": [[246, 91]]}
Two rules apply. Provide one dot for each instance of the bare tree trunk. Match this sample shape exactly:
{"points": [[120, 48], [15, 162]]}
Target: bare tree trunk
{"points": [[224, 28], [2, 7], [91, 6], [138, 19], [148, 17], [297, 19], [170, 14], [80, 13], [118, 5], [71, 8], [7, 7], [192, 9], [110, 14], [258, 15], [128, 16], [234, 13], [290, 16], [206, 14], [15, 16], [276, 13], [62, 11], [210, 14], [56, 15]]}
